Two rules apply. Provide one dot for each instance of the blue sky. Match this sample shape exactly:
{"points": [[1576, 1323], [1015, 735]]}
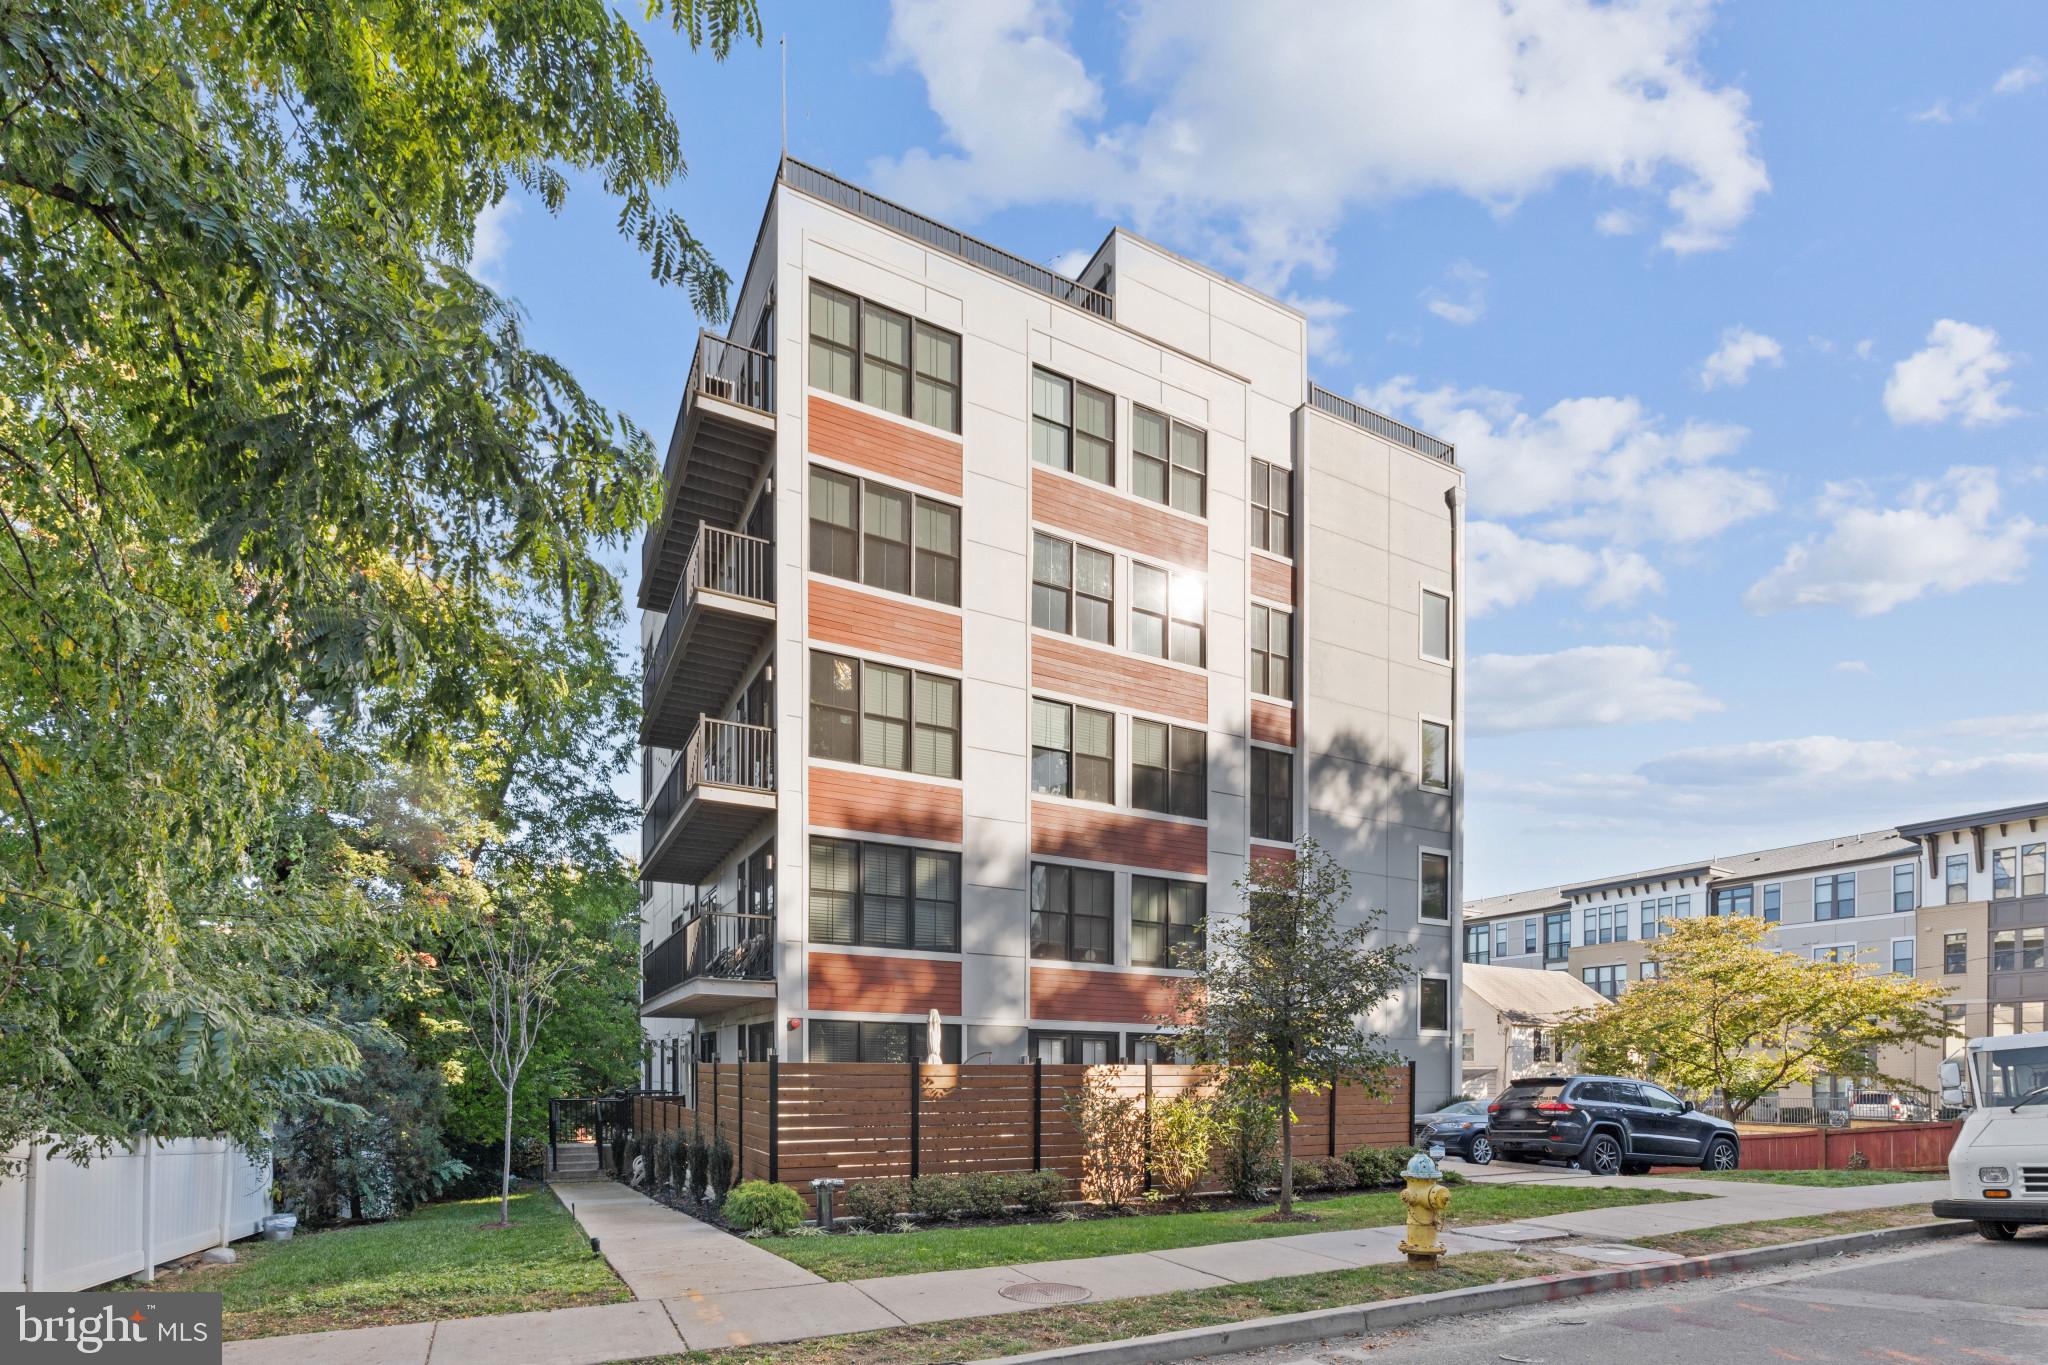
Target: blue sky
{"points": [[1735, 314]]}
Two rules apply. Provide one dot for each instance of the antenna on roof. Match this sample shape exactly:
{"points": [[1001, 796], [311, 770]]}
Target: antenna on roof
{"points": [[783, 44]]}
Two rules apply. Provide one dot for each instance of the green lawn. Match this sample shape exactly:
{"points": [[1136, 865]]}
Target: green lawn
{"points": [[1833, 1178], [439, 1263], [843, 1257], [1742, 1236]]}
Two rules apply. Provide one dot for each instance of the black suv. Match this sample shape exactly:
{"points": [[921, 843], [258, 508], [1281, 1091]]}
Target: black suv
{"points": [[1608, 1125]]}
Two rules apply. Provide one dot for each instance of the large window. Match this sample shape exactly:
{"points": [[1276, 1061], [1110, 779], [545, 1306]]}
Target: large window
{"points": [[1272, 794], [1773, 902], [1073, 1049], [884, 717], [1956, 878], [1169, 462], [1073, 751], [1272, 508], [865, 1040], [1478, 943], [1272, 651], [1436, 1005], [1606, 980], [884, 895], [1433, 900], [2005, 946], [1902, 956], [1071, 909], [1169, 769], [884, 537], [1834, 896], [1557, 936], [1436, 626], [1073, 427], [2034, 870], [1733, 900], [1955, 953], [1167, 616], [1166, 921], [1905, 886], [1436, 755], [1529, 934], [1072, 589], [875, 355], [2005, 873]]}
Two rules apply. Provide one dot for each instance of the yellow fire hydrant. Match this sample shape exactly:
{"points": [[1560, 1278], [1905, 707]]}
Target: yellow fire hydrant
{"points": [[1427, 1200]]}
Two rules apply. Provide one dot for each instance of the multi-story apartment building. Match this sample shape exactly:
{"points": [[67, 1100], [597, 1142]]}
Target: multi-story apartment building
{"points": [[996, 620], [1962, 901]]}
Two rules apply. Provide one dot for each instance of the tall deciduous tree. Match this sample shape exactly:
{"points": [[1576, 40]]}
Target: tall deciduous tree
{"points": [[279, 480], [1284, 991], [1728, 1014]]}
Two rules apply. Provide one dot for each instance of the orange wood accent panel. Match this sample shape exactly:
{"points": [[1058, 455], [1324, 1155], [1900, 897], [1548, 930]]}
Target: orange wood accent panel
{"points": [[884, 985], [847, 616], [890, 449], [1271, 723], [1112, 997], [1119, 679], [1272, 579], [1108, 518], [1272, 853], [1108, 836], [879, 803]]}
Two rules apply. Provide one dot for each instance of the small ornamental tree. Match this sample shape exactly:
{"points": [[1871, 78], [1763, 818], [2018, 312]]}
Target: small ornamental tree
{"points": [[1727, 1014], [1283, 991]]}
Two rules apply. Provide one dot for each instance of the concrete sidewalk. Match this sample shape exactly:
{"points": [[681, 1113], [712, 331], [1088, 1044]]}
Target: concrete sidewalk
{"points": [[698, 1288]]}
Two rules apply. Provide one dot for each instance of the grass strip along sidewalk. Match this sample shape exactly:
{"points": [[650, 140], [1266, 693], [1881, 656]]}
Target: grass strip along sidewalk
{"points": [[1829, 1179], [1077, 1324], [966, 1247], [441, 1262]]}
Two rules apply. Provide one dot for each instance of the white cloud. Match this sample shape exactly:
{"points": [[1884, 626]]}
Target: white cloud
{"points": [[2028, 74], [1852, 666], [492, 241], [1954, 376], [1325, 341], [1945, 537], [1545, 89], [1937, 112], [1069, 263], [1600, 467], [1505, 569], [1617, 223], [1467, 303], [1585, 686], [1865, 349], [1741, 351]]}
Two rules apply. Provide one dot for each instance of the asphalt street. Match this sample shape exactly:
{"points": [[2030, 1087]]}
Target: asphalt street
{"points": [[1959, 1302]]}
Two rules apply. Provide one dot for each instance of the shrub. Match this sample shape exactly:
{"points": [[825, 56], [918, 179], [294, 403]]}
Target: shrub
{"points": [[1112, 1128], [634, 1153], [675, 1155], [1248, 1131], [1338, 1175], [721, 1166], [1378, 1167], [983, 1195], [1184, 1129], [374, 1146], [1310, 1175], [1857, 1161], [1037, 1192], [699, 1163], [936, 1196], [1451, 1177], [874, 1204], [758, 1206]]}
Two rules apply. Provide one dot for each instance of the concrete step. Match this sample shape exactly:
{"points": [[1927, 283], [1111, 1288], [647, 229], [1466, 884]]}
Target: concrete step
{"points": [[576, 1177]]}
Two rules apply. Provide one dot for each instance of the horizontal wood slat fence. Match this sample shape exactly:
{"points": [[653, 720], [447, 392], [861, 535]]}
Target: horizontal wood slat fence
{"points": [[794, 1121], [1893, 1147]]}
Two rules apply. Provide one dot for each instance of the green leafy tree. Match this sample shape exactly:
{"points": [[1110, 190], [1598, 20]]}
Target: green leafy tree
{"points": [[1729, 1015], [291, 515], [1283, 992]]}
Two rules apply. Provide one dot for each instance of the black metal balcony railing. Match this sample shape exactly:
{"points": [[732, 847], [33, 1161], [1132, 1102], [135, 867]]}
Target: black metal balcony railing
{"points": [[1379, 424], [719, 369], [830, 188], [721, 753], [719, 945], [719, 561]]}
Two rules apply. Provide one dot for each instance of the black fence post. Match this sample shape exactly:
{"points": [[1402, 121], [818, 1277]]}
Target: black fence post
{"points": [[1333, 1118], [554, 1157], [1037, 1113], [1411, 1099], [916, 1089], [774, 1119], [739, 1142], [715, 1129], [1148, 1125]]}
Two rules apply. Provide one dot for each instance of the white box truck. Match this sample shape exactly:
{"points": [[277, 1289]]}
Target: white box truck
{"points": [[1998, 1169]]}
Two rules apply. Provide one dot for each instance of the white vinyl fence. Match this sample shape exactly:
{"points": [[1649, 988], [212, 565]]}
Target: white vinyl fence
{"points": [[65, 1226]]}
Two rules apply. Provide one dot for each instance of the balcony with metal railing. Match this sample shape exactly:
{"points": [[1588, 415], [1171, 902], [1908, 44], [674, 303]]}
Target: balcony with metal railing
{"points": [[719, 791], [720, 615], [724, 438], [715, 961]]}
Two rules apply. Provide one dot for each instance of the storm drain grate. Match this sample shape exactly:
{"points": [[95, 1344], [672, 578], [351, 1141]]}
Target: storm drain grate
{"points": [[1041, 1292]]}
